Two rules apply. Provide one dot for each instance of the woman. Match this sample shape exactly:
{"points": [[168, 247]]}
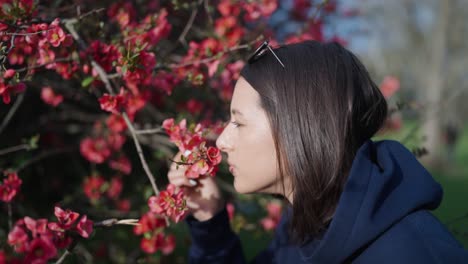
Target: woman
{"points": [[302, 116]]}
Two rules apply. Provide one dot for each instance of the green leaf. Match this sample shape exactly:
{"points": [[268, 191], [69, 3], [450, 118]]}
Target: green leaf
{"points": [[87, 81], [33, 142]]}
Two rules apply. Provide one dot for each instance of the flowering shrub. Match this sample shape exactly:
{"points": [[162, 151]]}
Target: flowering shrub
{"points": [[91, 89]]}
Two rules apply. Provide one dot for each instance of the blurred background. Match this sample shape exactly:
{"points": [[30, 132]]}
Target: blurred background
{"points": [[192, 52]]}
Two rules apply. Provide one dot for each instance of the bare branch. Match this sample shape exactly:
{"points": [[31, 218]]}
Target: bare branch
{"points": [[12, 112]]}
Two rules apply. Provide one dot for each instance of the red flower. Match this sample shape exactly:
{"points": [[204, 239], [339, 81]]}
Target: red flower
{"points": [[10, 187], [168, 245], [113, 103], [55, 34], [169, 203], [116, 123], [214, 155], [41, 250], [274, 215], [9, 73], [49, 97], [104, 54], [121, 164], [84, 227], [92, 187], [37, 227], [389, 86], [231, 210], [149, 222], [95, 150], [66, 219], [123, 205], [18, 238], [197, 169], [115, 141], [7, 89], [115, 188], [152, 243]]}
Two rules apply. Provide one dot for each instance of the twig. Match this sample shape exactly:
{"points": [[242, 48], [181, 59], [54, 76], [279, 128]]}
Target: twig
{"points": [[140, 153], [64, 255], [44, 64], [40, 157], [149, 131], [102, 74], [25, 34], [67, 251], [189, 24], [12, 111], [210, 19], [215, 57], [14, 148], [114, 221]]}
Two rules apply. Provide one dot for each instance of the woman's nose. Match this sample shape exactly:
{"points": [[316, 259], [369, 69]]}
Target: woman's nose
{"points": [[223, 140]]}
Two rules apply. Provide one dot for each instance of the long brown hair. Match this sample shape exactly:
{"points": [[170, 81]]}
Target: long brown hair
{"points": [[321, 107]]}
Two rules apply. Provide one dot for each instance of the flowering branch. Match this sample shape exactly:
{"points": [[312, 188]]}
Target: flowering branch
{"points": [[104, 77]]}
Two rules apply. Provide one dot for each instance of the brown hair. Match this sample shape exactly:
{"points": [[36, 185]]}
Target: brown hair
{"points": [[321, 107]]}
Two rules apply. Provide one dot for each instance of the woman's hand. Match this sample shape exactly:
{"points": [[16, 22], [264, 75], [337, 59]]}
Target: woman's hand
{"points": [[203, 199]]}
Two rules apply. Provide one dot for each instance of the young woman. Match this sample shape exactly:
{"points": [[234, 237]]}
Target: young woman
{"points": [[302, 116]]}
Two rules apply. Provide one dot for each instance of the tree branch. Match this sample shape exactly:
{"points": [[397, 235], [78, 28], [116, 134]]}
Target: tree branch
{"points": [[12, 111]]}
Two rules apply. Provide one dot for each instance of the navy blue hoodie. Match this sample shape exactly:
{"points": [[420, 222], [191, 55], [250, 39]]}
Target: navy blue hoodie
{"points": [[382, 217]]}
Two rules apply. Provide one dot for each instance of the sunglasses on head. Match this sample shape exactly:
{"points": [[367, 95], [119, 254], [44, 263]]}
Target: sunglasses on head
{"points": [[261, 50]]}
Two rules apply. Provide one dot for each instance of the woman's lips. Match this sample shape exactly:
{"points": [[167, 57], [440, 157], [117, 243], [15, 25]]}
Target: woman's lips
{"points": [[231, 169]]}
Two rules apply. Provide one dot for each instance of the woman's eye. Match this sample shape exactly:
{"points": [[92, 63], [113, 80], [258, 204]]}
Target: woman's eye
{"points": [[235, 124]]}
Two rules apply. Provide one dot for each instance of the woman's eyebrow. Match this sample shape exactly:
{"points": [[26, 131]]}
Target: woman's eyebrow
{"points": [[236, 112]]}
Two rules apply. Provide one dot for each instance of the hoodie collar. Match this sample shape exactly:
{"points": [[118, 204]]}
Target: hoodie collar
{"points": [[385, 184]]}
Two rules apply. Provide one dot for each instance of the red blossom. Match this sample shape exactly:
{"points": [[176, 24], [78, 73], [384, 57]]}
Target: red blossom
{"points": [[115, 141], [259, 9], [116, 123], [40, 250], [49, 97], [149, 222], [169, 203], [121, 164], [115, 188], [55, 34], [274, 215], [7, 89], [198, 168], [389, 86], [84, 227], [92, 187], [18, 238], [122, 12], [66, 219], [214, 155], [113, 103], [104, 54], [10, 187], [230, 210], [9, 73], [95, 150], [165, 82], [123, 205]]}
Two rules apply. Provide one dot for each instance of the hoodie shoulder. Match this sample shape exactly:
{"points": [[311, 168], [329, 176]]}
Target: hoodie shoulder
{"points": [[417, 238]]}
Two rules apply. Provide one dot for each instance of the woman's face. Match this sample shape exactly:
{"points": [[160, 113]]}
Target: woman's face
{"points": [[248, 143]]}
